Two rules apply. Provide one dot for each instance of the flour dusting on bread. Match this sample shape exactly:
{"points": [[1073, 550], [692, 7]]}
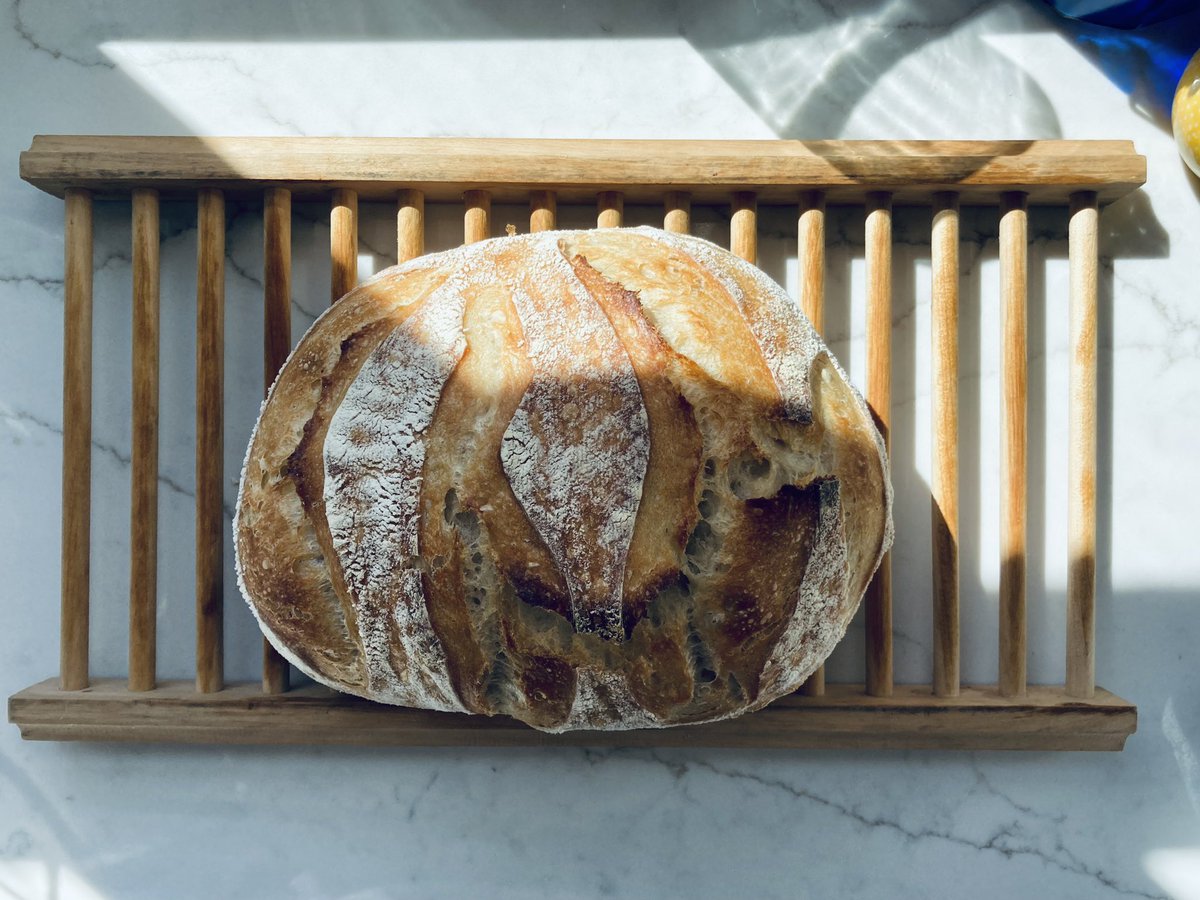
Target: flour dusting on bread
{"points": [[576, 450], [374, 451], [593, 480]]}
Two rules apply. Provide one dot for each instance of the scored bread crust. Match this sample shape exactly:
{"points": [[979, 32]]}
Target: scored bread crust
{"points": [[606, 479]]}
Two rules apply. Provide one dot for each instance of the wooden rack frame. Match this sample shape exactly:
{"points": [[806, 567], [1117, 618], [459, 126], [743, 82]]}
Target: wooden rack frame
{"points": [[1080, 175]]}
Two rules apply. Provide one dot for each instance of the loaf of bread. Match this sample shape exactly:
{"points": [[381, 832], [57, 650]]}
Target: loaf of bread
{"points": [[592, 480]]}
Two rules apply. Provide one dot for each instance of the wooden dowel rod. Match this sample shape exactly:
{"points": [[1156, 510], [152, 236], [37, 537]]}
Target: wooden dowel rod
{"points": [[410, 225], [1081, 471], [811, 250], [610, 209], [944, 484], [143, 519], [476, 224], [879, 397], [277, 343], [811, 233], [77, 439], [543, 210], [743, 226], [814, 684], [210, 523], [343, 243], [677, 212], [1014, 239], [277, 281]]}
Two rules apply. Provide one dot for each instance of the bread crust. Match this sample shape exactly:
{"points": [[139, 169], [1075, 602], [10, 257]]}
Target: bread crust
{"points": [[605, 479]]}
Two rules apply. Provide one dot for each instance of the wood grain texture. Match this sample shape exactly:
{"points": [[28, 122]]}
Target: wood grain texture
{"points": [[343, 243], [878, 600], [1049, 171], [743, 226], [1014, 244], [277, 282], [1081, 468], [979, 719], [944, 481], [476, 216], [610, 209], [677, 212], [210, 376], [77, 440], [410, 224], [143, 479], [543, 210], [277, 344], [811, 244]]}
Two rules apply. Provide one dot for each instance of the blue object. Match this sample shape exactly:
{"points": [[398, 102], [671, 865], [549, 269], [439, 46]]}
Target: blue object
{"points": [[1143, 46], [1123, 13]]}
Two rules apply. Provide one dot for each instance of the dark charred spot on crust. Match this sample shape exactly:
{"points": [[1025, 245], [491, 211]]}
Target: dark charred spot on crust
{"points": [[599, 622], [545, 683], [772, 512], [545, 678], [294, 468], [536, 592], [751, 612]]}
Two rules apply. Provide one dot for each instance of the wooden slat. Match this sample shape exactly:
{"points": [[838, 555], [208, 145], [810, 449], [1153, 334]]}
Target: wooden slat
{"points": [[878, 601], [210, 519], [845, 717], [1081, 477], [277, 343], [1014, 240], [476, 216], [743, 226], [811, 244], [610, 209], [677, 212], [277, 282], [410, 224], [77, 440], [143, 519], [811, 241], [1049, 171], [944, 482], [543, 210], [343, 243]]}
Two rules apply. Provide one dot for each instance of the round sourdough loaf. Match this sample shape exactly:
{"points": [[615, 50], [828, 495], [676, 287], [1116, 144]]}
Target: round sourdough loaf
{"points": [[599, 479]]}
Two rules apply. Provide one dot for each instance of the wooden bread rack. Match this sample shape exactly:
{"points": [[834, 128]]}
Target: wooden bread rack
{"points": [[1076, 175]]}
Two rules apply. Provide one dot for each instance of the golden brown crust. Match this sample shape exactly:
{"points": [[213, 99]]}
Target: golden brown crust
{"points": [[667, 511], [301, 598], [740, 500]]}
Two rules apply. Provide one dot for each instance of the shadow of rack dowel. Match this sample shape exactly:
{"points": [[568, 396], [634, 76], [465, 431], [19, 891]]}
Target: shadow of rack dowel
{"points": [[1079, 176]]}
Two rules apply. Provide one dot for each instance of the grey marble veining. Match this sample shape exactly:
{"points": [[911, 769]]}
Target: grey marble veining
{"points": [[107, 821]]}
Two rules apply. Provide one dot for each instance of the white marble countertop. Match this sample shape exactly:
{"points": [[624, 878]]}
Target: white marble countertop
{"points": [[108, 821]]}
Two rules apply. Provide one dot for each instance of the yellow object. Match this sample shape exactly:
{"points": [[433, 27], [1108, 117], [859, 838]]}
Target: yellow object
{"points": [[1185, 114]]}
